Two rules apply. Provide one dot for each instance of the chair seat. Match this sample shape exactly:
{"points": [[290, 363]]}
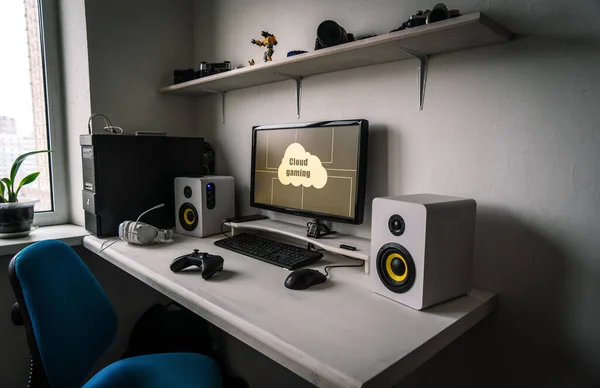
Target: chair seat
{"points": [[179, 370]]}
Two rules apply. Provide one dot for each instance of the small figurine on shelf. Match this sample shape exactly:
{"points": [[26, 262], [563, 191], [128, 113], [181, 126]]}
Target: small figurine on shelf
{"points": [[251, 62], [269, 42]]}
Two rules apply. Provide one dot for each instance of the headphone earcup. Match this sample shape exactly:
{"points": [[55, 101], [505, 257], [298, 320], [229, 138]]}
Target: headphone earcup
{"points": [[145, 233]]}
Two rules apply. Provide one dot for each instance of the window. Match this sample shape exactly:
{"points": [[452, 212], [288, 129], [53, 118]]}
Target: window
{"points": [[30, 102]]}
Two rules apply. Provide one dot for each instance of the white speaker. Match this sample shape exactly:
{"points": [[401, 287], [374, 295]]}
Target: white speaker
{"points": [[422, 248], [202, 204]]}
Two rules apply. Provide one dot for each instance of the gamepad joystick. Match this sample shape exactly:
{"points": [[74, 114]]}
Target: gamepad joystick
{"points": [[210, 264]]}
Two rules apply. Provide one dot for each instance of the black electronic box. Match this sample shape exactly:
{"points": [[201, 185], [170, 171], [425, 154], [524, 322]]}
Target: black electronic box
{"points": [[125, 175]]}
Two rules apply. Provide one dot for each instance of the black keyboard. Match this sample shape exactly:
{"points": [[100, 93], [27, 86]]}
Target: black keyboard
{"points": [[270, 251]]}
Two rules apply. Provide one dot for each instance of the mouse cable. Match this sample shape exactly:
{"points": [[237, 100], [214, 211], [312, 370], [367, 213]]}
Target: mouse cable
{"points": [[312, 247], [344, 266]]}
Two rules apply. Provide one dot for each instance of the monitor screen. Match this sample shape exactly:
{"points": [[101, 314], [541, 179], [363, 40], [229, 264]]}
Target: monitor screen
{"points": [[313, 169]]}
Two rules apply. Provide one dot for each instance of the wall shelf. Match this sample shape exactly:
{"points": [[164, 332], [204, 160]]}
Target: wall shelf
{"points": [[461, 33]]}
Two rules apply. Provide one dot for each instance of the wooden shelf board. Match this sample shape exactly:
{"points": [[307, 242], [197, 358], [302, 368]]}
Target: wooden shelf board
{"points": [[329, 243], [461, 33]]}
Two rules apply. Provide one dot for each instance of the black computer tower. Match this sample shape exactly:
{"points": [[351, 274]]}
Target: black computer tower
{"points": [[125, 175]]}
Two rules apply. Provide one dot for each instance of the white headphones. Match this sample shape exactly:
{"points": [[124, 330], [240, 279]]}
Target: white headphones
{"points": [[140, 233]]}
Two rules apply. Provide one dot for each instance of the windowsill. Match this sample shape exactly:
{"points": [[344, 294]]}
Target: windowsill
{"points": [[67, 233]]}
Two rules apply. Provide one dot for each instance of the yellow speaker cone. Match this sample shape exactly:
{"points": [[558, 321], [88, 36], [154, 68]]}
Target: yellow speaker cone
{"points": [[390, 271], [188, 216], [396, 268]]}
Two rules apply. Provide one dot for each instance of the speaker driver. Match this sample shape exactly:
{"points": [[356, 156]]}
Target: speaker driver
{"points": [[396, 225], [396, 268], [188, 216]]}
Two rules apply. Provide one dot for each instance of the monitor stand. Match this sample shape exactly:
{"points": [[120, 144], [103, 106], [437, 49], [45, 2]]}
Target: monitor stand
{"points": [[318, 228], [331, 243]]}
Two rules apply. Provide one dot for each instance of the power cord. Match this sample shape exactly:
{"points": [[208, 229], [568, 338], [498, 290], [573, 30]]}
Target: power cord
{"points": [[108, 127]]}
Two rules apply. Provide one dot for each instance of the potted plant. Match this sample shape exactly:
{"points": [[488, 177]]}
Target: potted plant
{"points": [[16, 216]]}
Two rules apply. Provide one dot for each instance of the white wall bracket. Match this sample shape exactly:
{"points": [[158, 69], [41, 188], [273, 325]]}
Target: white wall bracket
{"points": [[421, 72], [222, 100], [298, 90]]}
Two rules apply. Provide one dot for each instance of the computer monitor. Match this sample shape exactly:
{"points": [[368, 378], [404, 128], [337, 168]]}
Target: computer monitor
{"points": [[315, 169]]}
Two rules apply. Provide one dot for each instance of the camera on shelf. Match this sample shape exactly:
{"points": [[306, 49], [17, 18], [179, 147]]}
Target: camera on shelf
{"points": [[329, 34], [207, 69], [183, 75], [438, 13]]}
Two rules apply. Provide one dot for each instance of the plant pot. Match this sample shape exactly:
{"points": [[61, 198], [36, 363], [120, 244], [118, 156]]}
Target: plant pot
{"points": [[16, 217]]}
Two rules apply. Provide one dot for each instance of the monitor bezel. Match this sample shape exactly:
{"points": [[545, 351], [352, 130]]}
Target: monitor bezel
{"points": [[362, 150]]}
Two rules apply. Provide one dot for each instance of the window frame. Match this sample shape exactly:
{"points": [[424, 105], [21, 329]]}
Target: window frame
{"points": [[51, 57]]}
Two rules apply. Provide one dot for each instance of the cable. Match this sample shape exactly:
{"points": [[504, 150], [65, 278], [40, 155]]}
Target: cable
{"points": [[112, 242], [223, 232], [108, 127], [140, 216], [312, 247], [343, 266], [149, 210]]}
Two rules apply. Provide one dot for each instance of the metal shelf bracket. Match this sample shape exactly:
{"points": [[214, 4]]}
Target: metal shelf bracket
{"points": [[298, 90], [222, 100], [421, 72]]}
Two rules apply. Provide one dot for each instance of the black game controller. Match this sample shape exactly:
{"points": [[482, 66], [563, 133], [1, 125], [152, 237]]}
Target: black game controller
{"points": [[210, 264]]}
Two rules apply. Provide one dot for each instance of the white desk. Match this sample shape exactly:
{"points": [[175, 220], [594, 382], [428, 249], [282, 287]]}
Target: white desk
{"points": [[336, 334]]}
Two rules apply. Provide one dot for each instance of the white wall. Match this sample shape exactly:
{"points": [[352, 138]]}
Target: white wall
{"points": [[514, 126], [133, 47], [76, 94]]}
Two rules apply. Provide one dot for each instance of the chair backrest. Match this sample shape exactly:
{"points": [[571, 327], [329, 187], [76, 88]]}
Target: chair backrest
{"points": [[68, 319]]}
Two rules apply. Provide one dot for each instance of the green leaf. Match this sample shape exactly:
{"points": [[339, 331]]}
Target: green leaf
{"points": [[27, 180], [9, 193], [8, 183], [2, 199], [17, 164]]}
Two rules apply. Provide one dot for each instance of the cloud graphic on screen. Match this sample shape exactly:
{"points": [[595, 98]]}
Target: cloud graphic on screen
{"points": [[299, 167]]}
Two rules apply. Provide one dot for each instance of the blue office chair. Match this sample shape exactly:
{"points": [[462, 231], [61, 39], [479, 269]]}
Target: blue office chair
{"points": [[69, 323]]}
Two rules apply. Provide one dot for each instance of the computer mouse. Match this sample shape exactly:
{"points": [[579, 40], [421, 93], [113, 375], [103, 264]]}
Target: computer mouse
{"points": [[304, 278]]}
